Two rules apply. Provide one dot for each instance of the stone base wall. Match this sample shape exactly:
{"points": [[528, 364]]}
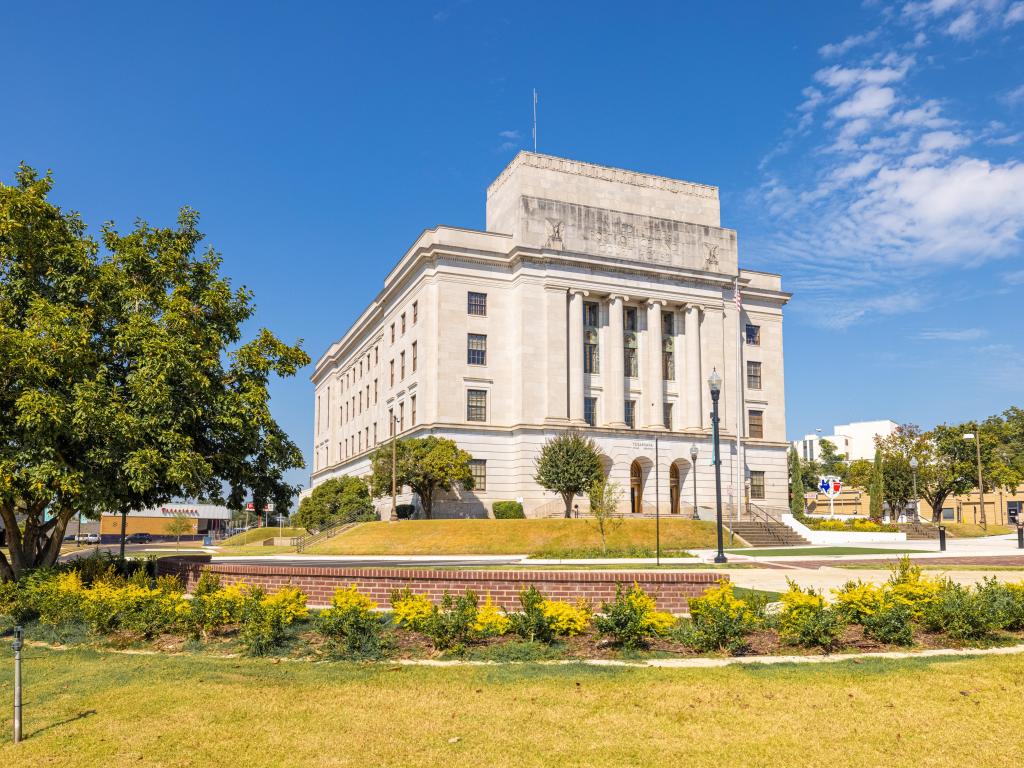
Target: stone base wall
{"points": [[671, 591]]}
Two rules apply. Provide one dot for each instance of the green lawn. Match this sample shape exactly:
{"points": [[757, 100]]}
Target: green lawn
{"points": [[505, 537], [802, 551], [256, 535], [86, 709]]}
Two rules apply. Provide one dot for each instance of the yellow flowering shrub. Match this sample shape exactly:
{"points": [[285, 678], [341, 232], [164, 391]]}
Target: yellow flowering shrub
{"points": [[411, 611], [719, 621], [290, 602], [907, 586], [566, 619], [57, 598], [856, 600], [349, 599], [491, 621]]}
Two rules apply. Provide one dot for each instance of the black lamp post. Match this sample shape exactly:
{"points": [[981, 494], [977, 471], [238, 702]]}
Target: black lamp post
{"points": [[715, 384], [913, 469], [693, 461]]}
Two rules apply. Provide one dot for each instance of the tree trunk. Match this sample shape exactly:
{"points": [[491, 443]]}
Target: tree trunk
{"points": [[936, 501], [567, 498], [427, 502], [124, 528], [39, 545]]}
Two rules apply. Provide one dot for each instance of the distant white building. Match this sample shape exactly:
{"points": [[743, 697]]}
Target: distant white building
{"points": [[855, 440]]}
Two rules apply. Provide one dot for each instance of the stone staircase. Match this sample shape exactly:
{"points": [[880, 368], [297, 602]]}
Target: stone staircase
{"points": [[766, 534], [919, 531]]}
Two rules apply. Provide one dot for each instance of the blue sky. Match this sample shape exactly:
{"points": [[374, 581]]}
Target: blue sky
{"points": [[869, 152]]}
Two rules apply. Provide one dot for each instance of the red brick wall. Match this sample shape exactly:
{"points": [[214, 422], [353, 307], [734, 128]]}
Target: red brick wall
{"points": [[671, 590]]}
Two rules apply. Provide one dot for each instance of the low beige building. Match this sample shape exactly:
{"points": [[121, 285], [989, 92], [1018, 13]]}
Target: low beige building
{"points": [[597, 299]]}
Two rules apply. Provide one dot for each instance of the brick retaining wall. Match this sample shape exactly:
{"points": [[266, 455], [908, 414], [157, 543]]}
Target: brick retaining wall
{"points": [[671, 590]]}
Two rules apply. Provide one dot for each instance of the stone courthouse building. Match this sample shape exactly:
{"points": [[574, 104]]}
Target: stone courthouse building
{"points": [[597, 299]]}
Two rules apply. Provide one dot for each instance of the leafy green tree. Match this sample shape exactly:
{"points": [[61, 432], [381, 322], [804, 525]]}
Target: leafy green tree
{"points": [[123, 379], [796, 483], [946, 466], [426, 465], [810, 471], [877, 488], [897, 449], [178, 526], [568, 465], [831, 461], [859, 473], [605, 497], [333, 501]]}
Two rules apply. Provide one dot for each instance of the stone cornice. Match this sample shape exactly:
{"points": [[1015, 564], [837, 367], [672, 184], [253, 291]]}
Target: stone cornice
{"points": [[603, 172]]}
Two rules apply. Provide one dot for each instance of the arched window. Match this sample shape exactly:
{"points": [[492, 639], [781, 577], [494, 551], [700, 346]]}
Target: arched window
{"points": [[636, 488]]}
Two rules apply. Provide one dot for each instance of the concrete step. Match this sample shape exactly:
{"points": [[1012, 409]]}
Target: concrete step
{"points": [[761, 534]]}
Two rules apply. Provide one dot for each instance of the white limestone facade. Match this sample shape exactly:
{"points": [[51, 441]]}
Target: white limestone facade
{"points": [[598, 299]]}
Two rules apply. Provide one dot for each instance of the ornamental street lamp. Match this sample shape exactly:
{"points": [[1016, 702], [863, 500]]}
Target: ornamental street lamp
{"points": [[913, 469], [976, 437], [715, 385], [693, 461]]}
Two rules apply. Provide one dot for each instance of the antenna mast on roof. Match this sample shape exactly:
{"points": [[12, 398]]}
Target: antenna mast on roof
{"points": [[534, 119]]}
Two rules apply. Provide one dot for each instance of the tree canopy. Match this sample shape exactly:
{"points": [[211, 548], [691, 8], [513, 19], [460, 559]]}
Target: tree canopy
{"points": [[568, 465], [124, 382], [424, 464], [339, 499]]}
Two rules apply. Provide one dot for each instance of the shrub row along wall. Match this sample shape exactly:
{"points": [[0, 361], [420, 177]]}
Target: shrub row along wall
{"points": [[671, 591]]}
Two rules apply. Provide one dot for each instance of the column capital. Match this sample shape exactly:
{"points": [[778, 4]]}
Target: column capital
{"points": [[657, 302], [578, 292], [620, 296]]}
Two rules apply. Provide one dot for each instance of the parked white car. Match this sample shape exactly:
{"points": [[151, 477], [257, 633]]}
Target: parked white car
{"points": [[88, 538]]}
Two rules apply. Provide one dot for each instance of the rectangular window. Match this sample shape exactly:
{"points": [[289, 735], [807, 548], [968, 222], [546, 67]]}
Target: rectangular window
{"points": [[591, 360], [630, 414], [629, 318], [414, 357], [392, 373], [666, 411], [591, 313], [415, 312], [668, 324], [948, 513], [374, 391], [477, 303], [757, 485], [392, 333], [590, 410], [391, 421], [476, 405], [629, 357], [403, 323], [478, 468], [359, 442], [376, 355], [375, 433], [476, 349], [755, 423], [753, 374], [367, 431], [401, 417], [668, 360], [753, 335], [412, 410], [360, 369], [401, 373], [360, 401]]}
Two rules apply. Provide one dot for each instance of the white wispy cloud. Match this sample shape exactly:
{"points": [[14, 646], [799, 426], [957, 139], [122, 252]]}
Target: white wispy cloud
{"points": [[832, 50], [962, 334], [1014, 96], [891, 188], [1015, 278]]}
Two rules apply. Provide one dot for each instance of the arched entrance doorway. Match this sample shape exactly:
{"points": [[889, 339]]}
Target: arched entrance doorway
{"points": [[673, 488], [636, 488]]}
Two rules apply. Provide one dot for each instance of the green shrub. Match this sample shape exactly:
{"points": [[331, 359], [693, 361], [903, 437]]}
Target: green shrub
{"points": [[531, 623], [405, 511], [807, 621], [961, 613], [856, 601], [508, 510], [890, 623], [211, 608], [632, 619], [450, 626], [1015, 618], [351, 627], [719, 621]]}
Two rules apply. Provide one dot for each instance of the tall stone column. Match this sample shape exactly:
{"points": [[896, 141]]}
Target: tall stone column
{"points": [[654, 387], [613, 365], [693, 384], [680, 356], [576, 356]]}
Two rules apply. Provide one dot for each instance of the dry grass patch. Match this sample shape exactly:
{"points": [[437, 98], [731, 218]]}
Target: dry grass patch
{"points": [[90, 709], [503, 537], [973, 530]]}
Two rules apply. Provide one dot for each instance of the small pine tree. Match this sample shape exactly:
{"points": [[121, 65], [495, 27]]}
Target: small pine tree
{"points": [[877, 490], [796, 484]]}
